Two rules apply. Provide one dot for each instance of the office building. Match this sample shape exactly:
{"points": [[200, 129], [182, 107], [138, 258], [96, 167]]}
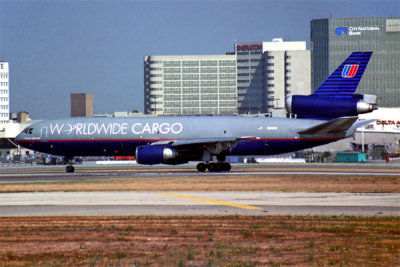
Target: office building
{"points": [[190, 85], [333, 40], [256, 78], [4, 94], [270, 71], [81, 105]]}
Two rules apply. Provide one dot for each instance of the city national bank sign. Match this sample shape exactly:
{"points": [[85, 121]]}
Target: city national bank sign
{"points": [[359, 30]]}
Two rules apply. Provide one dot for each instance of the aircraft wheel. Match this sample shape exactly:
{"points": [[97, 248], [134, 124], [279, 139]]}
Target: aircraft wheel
{"points": [[225, 167], [214, 167], [201, 167], [69, 168]]}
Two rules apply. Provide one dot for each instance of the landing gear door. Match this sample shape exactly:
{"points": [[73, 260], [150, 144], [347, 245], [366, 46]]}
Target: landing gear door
{"points": [[43, 134]]}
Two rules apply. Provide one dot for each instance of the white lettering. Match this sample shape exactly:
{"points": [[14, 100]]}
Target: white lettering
{"points": [[92, 128], [146, 128], [176, 128], [155, 128], [116, 128], [138, 124], [164, 128], [79, 128], [104, 128], [56, 127], [124, 128]]}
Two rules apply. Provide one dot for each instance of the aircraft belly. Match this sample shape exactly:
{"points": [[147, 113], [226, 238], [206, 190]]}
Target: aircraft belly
{"points": [[90, 148]]}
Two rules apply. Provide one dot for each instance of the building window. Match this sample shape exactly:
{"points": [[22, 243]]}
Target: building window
{"points": [[208, 63], [190, 63]]}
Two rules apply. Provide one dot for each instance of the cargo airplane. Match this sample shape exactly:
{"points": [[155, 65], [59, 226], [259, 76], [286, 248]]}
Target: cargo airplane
{"points": [[327, 115]]}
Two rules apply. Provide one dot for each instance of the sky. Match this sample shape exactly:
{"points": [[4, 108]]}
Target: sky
{"points": [[55, 48]]}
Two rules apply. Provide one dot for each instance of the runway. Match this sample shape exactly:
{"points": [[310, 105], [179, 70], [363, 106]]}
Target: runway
{"points": [[221, 202], [197, 203], [27, 173]]}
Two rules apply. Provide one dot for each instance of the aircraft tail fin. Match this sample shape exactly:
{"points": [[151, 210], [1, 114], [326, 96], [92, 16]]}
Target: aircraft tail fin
{"points": [[335, 97], [345, 79]]}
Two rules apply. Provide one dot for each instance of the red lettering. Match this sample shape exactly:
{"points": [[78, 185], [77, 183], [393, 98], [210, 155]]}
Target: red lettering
{"points": [[246, 47]]}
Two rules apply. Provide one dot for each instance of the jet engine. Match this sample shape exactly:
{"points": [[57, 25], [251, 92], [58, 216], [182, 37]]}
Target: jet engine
{"points": [[158, 154], [329, 107]]}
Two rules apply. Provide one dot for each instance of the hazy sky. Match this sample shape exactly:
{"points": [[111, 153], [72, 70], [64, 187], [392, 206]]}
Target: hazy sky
{"points": [[55, 48]]}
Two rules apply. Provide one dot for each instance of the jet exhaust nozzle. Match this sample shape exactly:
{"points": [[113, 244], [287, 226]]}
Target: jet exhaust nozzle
{"points": [[363, 107]]}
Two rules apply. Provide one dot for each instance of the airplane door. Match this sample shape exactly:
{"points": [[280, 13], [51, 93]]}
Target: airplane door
{"points": [[43, 134]]}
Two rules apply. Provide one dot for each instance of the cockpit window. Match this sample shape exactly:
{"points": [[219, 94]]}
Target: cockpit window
{"points": [[28, 131]]}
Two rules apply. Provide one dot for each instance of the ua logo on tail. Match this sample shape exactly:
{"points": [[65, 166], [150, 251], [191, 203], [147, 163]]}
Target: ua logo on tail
{"points": [[349, 71], [338, 82]]}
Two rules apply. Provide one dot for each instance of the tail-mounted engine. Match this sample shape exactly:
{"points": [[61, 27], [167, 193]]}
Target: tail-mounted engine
{"points": [[329, 107]]}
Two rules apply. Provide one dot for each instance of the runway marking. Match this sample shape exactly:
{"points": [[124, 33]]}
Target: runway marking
{"points": [[213, 201]]}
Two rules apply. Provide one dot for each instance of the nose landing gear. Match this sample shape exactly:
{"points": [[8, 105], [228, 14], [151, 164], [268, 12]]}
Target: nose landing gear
{"points": [[69, 168]]}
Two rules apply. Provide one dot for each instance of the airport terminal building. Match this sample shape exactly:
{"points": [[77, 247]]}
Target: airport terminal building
{"points": [[333, 40], [256, 78]]}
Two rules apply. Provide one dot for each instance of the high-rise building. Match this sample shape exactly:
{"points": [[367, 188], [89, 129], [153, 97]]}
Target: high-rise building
{"points": [[190, 85], [333, 40], [256, 78], [81, 105], [270, 71], [4, 94]]}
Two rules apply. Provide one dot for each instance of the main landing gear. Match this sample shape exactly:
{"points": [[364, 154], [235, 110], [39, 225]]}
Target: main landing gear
{"points": [[214, 167]]}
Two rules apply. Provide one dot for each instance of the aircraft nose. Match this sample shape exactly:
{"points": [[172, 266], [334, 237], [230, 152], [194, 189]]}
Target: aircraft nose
{"points": [[19, 137]]}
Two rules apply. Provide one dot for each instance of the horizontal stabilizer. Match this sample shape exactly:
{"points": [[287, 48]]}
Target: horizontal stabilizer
{"points": [[338, 125]]}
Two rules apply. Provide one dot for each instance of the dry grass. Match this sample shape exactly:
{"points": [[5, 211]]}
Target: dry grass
{"points": [[200, 241], [256, 182]]}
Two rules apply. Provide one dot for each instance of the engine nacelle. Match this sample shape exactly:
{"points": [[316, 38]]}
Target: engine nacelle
{"points": [[313, 106], [158, 154]]}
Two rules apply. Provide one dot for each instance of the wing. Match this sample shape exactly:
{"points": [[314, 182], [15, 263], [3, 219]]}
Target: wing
{"points": [[214, 145]]}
